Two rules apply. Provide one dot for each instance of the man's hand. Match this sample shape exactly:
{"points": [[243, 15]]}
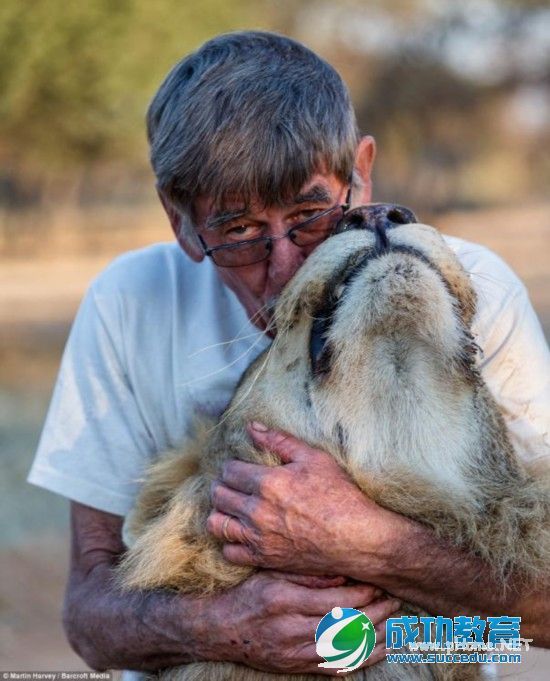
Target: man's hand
{"points": [[269, 621], [299, 516], [308, 516]]}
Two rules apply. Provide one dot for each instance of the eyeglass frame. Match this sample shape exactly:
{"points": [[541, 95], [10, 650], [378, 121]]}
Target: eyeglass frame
{"points": [[268, 240]]}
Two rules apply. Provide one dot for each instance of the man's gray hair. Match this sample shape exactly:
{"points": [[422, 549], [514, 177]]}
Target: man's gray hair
{"points": [[251, 115]]}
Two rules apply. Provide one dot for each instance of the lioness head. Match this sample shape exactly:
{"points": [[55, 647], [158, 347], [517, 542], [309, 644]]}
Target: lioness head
{"points": [[373, 332]]}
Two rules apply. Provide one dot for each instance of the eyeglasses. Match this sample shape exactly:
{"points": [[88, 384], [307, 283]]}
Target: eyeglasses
{"points": [[306, 233]]}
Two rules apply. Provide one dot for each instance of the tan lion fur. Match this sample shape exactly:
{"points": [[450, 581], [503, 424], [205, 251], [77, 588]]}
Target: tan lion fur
{"points": [[403, 409]]}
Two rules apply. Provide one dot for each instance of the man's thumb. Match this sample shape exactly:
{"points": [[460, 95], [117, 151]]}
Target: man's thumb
{"points": [[287, 447]]}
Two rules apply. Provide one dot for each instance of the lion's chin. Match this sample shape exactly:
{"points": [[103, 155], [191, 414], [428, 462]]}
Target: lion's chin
{"points": [[402, 298]]}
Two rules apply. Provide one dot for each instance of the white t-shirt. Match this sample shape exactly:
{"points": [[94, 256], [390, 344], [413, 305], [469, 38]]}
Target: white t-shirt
{"points": [[147, 350], [159, 338]]}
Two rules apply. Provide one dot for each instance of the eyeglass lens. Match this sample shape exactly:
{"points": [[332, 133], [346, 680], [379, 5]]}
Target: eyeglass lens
{"points": [[248, 253]]}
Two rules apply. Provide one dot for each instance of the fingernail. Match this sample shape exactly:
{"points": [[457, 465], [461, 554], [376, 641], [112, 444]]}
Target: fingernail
{"points": [[256, 425], [396, 604]]}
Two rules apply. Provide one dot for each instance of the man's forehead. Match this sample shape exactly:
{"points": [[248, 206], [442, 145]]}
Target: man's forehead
{"points": [[317, 190]]}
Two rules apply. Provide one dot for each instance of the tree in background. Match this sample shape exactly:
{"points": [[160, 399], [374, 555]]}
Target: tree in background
{"points": [[76, 77], [458, 94]]}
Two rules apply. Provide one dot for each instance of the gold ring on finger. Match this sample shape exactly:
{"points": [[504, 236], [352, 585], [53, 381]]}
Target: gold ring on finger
{"points": [[224, 528]]}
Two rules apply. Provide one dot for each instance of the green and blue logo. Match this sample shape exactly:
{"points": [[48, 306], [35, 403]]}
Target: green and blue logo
{"points": [[345, 637]]}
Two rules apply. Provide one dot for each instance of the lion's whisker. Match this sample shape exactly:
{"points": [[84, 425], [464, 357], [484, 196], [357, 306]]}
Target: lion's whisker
{"points": [[222, 369], [487, 277], [228, 342], [234, 407]]}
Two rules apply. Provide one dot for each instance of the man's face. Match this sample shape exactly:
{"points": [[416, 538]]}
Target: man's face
{"points": [[258, 285]]}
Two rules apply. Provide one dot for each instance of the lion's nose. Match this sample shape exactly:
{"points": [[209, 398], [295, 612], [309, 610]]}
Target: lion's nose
{"points": [[377, 217]]}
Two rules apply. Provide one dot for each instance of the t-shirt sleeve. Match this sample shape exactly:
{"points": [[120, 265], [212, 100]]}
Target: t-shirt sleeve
{"points": [[95, 444], [516, 361]]}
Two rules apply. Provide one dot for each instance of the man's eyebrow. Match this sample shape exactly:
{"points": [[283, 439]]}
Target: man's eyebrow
{"points": [[219, 218], [316, 194]]}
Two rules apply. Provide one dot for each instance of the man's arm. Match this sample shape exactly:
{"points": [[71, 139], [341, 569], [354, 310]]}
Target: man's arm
{"points": [[113, 630], [290, 515], [268, 622], [442, 579]]}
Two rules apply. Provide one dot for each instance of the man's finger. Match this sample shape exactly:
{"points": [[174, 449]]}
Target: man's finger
{"points": [[379, 651], [241, 554], [311, 581], [380, 610], [243, 476], [378, 654], [287, 447], [320, 601], [230, 501], [226, 527]]}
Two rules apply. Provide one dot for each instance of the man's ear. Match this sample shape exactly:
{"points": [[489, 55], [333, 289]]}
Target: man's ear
{"points": [[181, 230], [364, 161]]}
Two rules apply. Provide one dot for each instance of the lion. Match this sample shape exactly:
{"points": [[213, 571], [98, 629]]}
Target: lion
{"points": [[373, 362]]}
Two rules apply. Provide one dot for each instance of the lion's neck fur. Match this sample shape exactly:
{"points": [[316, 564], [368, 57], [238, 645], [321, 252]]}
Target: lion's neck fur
{"points": [[384, 417], [443, 461]]}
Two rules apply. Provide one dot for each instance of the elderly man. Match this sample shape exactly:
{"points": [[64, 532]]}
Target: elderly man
{"points": [[256, 151]]}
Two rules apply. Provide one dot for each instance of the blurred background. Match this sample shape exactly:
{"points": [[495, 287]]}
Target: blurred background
{"points": [[456, 94]]}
